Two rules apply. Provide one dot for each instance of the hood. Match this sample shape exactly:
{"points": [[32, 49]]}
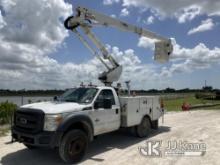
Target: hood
{"points": [[54, 107]]}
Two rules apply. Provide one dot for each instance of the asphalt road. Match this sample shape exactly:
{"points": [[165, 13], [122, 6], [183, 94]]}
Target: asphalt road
{"points": [[197, 127]]}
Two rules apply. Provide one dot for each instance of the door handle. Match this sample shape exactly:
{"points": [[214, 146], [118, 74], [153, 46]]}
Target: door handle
{"points": [[116, 111]]}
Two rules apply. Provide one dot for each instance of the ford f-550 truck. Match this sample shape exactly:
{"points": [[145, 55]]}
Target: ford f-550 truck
{"points": [[79, 115]]}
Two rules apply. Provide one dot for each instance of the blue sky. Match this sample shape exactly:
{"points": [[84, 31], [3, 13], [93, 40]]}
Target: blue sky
{"points": [[55, 58], [168, 27]]}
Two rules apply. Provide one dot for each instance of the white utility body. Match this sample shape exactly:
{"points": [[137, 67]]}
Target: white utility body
{"points": [[133, 109]]}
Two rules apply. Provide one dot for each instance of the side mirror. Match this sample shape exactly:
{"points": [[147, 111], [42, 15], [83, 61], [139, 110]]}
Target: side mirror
{"points": [[107, 103], [96, 105]]}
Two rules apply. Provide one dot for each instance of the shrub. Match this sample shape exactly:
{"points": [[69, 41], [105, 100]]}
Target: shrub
{"points": [[6, 111]]}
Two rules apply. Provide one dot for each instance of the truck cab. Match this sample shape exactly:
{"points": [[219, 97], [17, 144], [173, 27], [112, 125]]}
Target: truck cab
{"points": [[90, 110]]}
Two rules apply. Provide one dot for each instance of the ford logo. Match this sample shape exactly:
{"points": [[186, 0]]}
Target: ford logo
{"points": [[23, 121]]}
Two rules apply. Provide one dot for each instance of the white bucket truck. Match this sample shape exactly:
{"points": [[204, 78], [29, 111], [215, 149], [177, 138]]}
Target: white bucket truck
{"points": [[80, 114], [72, 121]]}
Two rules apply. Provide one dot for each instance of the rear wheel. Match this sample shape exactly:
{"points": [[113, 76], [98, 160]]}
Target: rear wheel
{"points": [[144, 128], [73, 146]]}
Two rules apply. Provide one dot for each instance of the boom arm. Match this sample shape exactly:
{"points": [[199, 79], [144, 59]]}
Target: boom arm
{"points": [[87, 18], [101, 19]]}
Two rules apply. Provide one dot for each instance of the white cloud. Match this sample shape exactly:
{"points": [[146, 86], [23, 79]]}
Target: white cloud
{"points": [[190, 60], [31, 30], [2, 22], [37, 72], [150, 20], [30, 35], [113, 16], [35, 23], [124, 12], [188, 13], [40, 71], [204, 26], [182, 10], [136, 71], [146, 43], [110, 2], [187, 60]]}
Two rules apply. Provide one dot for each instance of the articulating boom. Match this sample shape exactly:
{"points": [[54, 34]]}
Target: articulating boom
{"points": [[86, 19]]}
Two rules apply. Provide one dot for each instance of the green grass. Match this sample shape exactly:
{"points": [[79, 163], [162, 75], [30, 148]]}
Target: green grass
{"points": [[176, 104], [6, 111]]}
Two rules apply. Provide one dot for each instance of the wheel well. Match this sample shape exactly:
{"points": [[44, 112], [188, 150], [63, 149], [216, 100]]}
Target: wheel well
{"points": [[81, 126]]}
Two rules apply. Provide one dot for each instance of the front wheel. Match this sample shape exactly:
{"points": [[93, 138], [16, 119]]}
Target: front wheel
{"points": [[73, 146], [144, 128]]}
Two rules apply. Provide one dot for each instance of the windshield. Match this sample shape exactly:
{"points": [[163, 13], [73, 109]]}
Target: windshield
{"points": [[79, 95]]}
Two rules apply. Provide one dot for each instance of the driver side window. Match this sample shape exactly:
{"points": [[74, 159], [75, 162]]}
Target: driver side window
{"points": [[105, 94]]}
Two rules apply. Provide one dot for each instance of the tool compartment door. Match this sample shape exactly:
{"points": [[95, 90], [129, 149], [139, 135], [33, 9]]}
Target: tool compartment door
{"points": [[145, 106], [157, 111], [130, 111], [133, 114]]}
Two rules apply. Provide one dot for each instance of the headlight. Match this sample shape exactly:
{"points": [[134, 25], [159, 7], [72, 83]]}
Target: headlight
{"points": [[51, 122]]}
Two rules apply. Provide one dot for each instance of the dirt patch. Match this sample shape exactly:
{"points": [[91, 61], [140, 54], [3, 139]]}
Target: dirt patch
{"points": [[122, 148]]}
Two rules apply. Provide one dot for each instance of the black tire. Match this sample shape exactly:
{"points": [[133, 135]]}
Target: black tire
{"points": [[30, 146], [144, 128], [155, 124], [73, 146]]}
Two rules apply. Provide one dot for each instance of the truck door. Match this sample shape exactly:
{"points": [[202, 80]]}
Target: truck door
{"points": [[105, 119]]}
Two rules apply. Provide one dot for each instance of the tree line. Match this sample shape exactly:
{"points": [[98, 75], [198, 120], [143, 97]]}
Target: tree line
{"points": [[56, 92]]}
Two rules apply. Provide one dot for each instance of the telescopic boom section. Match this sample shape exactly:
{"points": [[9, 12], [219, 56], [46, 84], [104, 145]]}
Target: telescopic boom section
{"points": [[87, 18]]}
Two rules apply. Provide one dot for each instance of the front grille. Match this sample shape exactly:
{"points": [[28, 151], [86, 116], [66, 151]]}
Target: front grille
{"points": [[29, 120]]}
